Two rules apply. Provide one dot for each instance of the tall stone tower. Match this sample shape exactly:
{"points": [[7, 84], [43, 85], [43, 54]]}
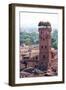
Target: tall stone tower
{"points": [[44, 29]]}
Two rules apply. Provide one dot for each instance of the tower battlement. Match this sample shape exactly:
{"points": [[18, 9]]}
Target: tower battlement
{"points": [[41, 23], [45, 25]]}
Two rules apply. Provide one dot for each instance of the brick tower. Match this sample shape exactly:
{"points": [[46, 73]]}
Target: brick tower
{"points": [[44, 45]]}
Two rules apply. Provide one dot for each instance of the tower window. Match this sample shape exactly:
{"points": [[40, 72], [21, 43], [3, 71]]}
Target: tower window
{"points": [[43, 56], [36, 57], [43, 39], [45, 46], [41, 46]]}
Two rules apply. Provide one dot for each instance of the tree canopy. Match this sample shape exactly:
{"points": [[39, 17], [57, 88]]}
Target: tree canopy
{"points": [[54, 41], [29, 38]]}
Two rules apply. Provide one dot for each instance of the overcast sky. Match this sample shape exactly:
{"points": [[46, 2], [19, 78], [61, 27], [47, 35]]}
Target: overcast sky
{"points": [[31, 20]]}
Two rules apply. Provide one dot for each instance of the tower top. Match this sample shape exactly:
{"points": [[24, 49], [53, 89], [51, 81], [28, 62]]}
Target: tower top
{"points": [[41, 23], [44, 24]]}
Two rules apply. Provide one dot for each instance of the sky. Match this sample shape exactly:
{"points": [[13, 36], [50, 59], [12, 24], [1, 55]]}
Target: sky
{"points": [[31, 19]]}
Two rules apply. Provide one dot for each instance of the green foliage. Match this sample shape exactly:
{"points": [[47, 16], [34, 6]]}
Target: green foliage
{"points": [[54, 39], [29, 38]]}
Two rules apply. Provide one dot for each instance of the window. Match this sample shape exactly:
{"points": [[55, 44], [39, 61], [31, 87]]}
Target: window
{"points": [[45, 46], [43, 39], [36, 57], [41, 46], [43, 56]]}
